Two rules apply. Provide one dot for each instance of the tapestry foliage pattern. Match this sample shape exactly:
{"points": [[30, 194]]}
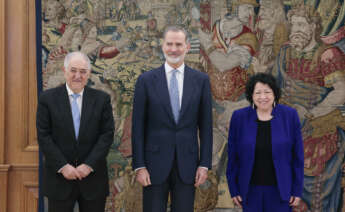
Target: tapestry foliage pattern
{"points": [[301, 42]]}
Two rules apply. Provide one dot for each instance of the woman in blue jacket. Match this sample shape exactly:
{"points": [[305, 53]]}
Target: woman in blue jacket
{"points": [[265, 151]]}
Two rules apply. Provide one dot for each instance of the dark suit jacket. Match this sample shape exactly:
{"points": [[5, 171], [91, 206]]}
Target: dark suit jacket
{"points": [[59, 146], [156, 136], [287, 151]]}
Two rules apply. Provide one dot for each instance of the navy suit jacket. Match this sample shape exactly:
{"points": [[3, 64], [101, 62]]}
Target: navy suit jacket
{"points": [[287, 151], [57, 141], [157, 139]]}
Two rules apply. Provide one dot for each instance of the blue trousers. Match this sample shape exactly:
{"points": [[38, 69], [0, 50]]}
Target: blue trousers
{"points": [[265, 199], [155, 197]]}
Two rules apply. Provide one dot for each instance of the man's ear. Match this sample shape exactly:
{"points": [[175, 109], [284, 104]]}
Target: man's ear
{"points": [[188, 47]]}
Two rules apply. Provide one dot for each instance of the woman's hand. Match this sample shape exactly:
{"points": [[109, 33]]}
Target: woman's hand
{"points": [[238, 201], [294, 201]]}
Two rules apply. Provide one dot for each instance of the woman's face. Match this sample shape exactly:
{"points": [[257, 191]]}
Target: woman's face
{"points": [[263, 96]]}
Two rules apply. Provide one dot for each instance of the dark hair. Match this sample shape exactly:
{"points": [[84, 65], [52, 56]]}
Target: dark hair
{"points": [[267, 79]]}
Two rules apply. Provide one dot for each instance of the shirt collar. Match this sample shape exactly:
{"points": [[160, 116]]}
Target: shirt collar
{"points": [[169, 69], [70, 92]]}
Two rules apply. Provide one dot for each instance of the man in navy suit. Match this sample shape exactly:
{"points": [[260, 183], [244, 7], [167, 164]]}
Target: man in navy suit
{"points": [[75, 128], [172, 104]]}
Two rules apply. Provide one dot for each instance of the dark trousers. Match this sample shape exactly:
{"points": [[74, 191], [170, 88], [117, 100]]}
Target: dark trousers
{"points": [[155, 197], [265, 199], [96, 205]]}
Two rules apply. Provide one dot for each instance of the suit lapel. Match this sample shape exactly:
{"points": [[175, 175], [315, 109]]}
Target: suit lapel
{"points": [[276, 128], [162, 90], [252, 125], [65, 109], [86, 110], [188, 90]]}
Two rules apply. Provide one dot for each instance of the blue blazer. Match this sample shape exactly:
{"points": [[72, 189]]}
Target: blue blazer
{"points": [[287, 151], [157, 140]]}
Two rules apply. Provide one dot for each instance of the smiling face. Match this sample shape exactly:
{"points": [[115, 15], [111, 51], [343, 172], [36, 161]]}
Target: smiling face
{"points": [[77, 74], [175, 48], [263, 97]]}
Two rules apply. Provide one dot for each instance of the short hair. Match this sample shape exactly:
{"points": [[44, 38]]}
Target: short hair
{"points": [[266, 79], [176, 28], [71, 55]]}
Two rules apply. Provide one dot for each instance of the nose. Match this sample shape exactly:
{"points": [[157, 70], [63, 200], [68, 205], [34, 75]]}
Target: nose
{"points": [[77, 74], [173, 48]]}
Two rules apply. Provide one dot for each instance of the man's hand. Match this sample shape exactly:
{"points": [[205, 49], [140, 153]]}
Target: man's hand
{"points": [[294, 201], [83, 170], [143, 177], [201, 176], [238, 201], [70, 173]]}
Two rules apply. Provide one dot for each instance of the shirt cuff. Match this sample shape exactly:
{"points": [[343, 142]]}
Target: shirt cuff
{"points": [[203, 167], [137, 169], [60, 170], [89, 167]]}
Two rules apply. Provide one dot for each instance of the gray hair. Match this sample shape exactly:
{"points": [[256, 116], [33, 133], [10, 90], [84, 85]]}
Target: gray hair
{"points": [[71, 55], [176, 28]]}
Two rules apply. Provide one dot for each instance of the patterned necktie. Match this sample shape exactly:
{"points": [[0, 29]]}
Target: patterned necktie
{"points": [[75, 114], [174, 96]]}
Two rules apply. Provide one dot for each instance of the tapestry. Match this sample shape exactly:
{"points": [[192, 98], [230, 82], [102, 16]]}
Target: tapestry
{"points": [[301, 42]]}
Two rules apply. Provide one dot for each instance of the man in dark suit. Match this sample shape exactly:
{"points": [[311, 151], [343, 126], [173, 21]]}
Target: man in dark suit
{"points": [[171, 105], [75, 128]]}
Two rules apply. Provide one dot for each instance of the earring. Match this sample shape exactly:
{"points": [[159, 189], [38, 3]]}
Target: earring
{"points": [[253, 106], [274, 104]]}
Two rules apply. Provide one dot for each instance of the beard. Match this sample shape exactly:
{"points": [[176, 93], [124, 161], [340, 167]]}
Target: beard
{"points": [[173, 60], [227, 36], [299, 40]]}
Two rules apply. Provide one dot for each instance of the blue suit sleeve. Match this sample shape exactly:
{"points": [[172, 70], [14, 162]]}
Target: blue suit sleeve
{"points": [[205, 126], [298, 158], [232, 167], [138, 124]]}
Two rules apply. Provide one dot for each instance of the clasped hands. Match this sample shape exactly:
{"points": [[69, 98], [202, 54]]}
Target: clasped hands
{"points": [[143, 177], [73, 173]]}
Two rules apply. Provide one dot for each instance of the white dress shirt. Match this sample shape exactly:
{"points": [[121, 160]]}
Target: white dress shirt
{"points": [[179, 77], [79, 99]]}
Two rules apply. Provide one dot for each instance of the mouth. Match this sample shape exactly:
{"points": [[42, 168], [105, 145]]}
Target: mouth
{"points": [[262, 103], [173, 55]]}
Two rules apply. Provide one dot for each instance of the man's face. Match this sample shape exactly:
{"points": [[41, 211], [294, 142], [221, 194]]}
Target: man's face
{"points": [[301, 32], [231, 28], [175, 48], [50, 11], [245, 11], [265, 17], [77, 74]]}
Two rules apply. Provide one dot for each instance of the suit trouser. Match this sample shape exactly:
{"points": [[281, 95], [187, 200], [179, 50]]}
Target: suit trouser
{"points": [[265, 199], [155, 197], [95, 205]]}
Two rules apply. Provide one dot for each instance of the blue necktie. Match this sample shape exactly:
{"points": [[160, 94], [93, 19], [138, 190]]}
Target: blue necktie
{"points": [[174, 96], [75, 114]]}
